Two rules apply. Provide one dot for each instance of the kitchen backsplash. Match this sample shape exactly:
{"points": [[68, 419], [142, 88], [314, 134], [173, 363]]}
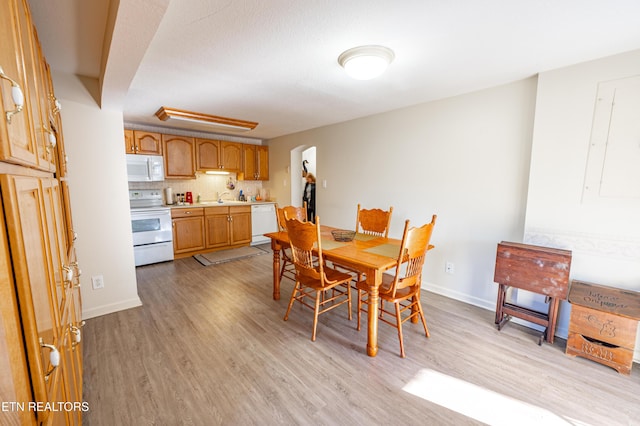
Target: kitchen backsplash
{"points": [[207, 186]]}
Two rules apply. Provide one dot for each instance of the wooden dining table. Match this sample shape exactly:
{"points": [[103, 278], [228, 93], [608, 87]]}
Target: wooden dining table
{"points": [[370, 255]]}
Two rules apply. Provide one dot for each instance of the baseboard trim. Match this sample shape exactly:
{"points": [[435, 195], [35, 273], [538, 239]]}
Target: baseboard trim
{"points": [[111, 308], [490, 305]]}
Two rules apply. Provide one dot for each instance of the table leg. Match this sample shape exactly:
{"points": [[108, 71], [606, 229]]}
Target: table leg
{"points": [[374, 302], [502, 290], [553, 314], [276, 269]]}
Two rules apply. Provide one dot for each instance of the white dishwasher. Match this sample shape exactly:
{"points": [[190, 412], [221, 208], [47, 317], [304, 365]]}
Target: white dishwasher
{"points": [[263, 221]]}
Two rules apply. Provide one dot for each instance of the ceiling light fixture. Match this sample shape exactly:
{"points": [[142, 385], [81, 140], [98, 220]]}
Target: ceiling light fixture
{"points": [[366, 62], [166, 114]]}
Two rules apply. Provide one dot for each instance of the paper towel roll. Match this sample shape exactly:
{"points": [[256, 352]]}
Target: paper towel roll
{"points": [[168, 196]]}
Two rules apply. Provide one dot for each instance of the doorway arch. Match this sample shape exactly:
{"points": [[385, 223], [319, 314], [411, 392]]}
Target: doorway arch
{"points": [[298, 155]]}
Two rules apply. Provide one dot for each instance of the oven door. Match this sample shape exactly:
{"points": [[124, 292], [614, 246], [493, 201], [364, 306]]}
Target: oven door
{"points": [[151, 226]]}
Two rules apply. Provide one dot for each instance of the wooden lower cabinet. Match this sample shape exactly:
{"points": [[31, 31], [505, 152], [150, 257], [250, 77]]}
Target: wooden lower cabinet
{"points": [[197, 230], [43, 280], [227, 226], [188, 230]]}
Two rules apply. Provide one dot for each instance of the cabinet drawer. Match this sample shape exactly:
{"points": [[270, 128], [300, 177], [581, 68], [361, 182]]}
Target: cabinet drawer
{"points": [[603, 326], [216, 210], [612, 356], [187, 212], [239, 209]]}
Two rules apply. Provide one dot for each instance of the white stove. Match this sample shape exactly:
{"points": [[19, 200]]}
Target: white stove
{"points": [[151, 227]]}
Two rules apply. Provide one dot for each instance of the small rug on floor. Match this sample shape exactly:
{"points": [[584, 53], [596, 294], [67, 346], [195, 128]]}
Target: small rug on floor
{"points": [[223, 256]]}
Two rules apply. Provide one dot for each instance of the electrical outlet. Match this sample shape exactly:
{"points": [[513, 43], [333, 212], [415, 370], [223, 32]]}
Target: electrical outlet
{"points": [[97, 282], [450, 268]]}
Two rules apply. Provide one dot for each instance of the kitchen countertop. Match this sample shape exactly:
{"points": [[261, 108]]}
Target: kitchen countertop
{"points": [[217, 204]]}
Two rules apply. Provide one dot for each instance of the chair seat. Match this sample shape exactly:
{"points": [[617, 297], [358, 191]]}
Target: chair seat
{"points": [[332, 275], [385, 289]]}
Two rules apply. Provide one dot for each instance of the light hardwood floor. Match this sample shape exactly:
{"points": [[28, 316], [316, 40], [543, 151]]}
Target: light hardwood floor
{"points": [[209, 347]]}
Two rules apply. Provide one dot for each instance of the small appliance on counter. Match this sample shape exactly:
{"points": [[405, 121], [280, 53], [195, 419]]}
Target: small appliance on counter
{"points": [[168, 196]]}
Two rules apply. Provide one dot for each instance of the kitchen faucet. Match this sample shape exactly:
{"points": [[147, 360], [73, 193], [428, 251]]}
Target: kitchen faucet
{"points": [[220, 196]]}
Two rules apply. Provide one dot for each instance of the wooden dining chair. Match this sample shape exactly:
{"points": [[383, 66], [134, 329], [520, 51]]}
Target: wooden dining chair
{"points": [[314, 280], [373, 221], [402, 289], [288, 269]]}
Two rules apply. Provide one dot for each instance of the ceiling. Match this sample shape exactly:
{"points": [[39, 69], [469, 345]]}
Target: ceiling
{"points": [[275, 62]]}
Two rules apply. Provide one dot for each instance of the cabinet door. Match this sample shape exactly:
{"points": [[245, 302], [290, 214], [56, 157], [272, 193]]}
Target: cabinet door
{"points": [[208, 154], [231, 154], [147, 143], [26, 216], [33, 92], [262, 157], [57, 243], [188, 234], [129, 142], [16, 143], [72, 356], [249, 166], [179, 157], [240, 227], [217, 230], [14, 383], [55, 124]]}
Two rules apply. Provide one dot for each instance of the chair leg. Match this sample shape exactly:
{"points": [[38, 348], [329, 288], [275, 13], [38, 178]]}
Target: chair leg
{"points": [[284, 264], [293, 298], [399, 326], [424, 321], [348, 286], [315, 315], [359, 306]]}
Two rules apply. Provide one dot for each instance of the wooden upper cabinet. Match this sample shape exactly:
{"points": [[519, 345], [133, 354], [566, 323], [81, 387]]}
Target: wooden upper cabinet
{"points": [[141, 142], [255, 164], [231, 154], [129, 144], [207, 154], [35, 90], [179, 156], [218, 155], [262, 155], [16, 144]]}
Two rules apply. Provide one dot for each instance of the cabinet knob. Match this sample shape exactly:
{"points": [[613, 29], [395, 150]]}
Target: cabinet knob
{"points": [[68, 273], [77, 336], [54, 357], [16, 95]]}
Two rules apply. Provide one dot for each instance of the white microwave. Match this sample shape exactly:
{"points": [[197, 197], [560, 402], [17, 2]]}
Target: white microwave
{"points": [[145, 168]]}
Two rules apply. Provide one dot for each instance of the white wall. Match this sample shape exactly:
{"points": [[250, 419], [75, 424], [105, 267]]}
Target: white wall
{"points": [[465, 159], [99, 199], [603, 235]]}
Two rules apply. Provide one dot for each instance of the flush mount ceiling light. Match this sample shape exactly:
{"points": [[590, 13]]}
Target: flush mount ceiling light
{"points": [[232, 124], [366, 62]]}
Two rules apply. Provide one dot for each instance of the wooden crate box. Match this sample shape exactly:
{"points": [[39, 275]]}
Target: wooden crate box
{"points": [[603, 324]]}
